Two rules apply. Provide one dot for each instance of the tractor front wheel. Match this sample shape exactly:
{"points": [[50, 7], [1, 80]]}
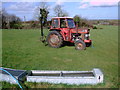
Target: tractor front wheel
{"points": [[80, 45], [88, 44], [55, 39]]}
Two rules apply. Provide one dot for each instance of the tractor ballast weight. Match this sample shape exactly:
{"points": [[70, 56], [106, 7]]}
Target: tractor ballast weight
{"points": [[63, 29]]}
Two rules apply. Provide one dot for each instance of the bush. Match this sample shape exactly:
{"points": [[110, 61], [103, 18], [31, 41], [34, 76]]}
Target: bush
{"points": [[15, 25], [81, 22], [94, 27]]}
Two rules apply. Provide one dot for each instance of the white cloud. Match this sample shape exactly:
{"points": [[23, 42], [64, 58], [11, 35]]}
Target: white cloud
{"points": [[0, 6], [41, 0], [100, 3], [21, 9], [84, 6], [59, 2], [21, 6]]}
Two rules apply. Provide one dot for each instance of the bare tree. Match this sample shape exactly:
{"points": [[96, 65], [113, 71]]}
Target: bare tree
{"points": [[0, 19], [9, 20], [42, 5], [59, 12], [4, 17]]}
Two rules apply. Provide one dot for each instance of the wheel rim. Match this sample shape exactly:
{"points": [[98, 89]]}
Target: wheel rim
{"points": [[54, 40], [79, 46]]}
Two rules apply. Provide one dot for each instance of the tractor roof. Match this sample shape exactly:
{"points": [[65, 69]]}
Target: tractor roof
{"points": [[62, 17]]}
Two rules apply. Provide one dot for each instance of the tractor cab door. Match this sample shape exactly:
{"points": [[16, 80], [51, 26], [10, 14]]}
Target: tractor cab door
{"points": [[64, 28], [63, 23]]}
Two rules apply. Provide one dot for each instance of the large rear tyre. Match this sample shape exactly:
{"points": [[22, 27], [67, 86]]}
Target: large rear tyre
{"points": [[80, 45], [55, 39]]}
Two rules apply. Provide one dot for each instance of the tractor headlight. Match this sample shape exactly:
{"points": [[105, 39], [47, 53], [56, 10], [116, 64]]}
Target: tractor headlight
{"points": [[87, 35], [84, 30]]}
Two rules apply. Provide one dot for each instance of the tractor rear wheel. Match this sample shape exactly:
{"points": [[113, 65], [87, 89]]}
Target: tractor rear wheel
{"points": [[55, 39], [80, 45]]}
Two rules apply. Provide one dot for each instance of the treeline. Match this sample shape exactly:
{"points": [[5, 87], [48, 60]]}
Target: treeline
{"points": [[82, 22], [13, 22], [9, 21]]}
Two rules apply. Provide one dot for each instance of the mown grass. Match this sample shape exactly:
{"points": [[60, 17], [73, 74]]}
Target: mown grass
{"points": [[22, 49]]}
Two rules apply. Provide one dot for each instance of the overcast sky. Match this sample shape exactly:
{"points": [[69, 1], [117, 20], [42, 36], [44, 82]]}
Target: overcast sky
{"points": [[90, 9]]}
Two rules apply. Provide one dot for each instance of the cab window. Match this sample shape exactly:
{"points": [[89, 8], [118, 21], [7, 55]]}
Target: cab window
{"points": [[55, 23], [62, 23]]}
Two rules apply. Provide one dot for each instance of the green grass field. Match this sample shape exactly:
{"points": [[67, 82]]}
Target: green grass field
{"points": [[22, 49]]}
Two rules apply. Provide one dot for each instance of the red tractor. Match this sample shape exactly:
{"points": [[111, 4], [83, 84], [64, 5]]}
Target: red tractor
{"points": [[63, 29]]}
